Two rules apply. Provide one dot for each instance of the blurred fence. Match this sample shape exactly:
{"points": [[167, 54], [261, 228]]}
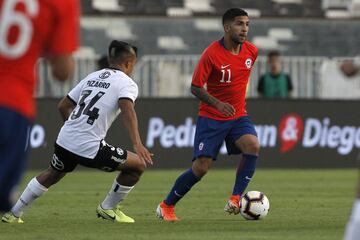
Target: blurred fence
{"points": [[170, 76], [47, 86]]}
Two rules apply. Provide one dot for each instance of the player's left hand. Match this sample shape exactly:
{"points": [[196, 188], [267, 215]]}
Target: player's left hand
{"points": [[143, 153], [225, 108]]}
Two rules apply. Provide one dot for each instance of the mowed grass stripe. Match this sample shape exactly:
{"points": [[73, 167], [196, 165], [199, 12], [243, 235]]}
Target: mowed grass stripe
{"points": [[305, 204]]}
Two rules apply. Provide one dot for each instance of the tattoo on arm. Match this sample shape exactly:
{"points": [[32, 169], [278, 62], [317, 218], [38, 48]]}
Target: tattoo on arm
{"points": [[203, 95]]}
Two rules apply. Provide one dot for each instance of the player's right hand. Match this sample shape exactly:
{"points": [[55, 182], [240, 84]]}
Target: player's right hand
{"points": [[143, 153], [226, 109]]}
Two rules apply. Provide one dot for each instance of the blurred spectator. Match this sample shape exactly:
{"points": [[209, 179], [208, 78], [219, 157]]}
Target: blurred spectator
{"points": [[103, 62], [275, 84], [349, 68]]}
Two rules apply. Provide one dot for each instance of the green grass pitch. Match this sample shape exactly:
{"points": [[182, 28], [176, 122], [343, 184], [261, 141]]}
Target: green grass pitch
{"points": [[304, 204]]}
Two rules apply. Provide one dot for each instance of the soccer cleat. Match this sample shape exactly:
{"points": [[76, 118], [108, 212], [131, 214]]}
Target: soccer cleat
{"points": [[9, 217], [114, 215], [166, 212], [233, 205]]}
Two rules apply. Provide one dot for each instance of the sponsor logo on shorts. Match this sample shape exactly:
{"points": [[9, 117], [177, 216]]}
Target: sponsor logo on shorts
{"points": [[201, 146], [57, 163], [120, 151], [117, 159]]}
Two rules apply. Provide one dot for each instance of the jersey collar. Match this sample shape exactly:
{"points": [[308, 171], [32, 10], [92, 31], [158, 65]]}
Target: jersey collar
{"points": [[222, 43], [113, 68]]}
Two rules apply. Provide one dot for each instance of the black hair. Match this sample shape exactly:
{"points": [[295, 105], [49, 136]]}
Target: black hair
{"points": [[102, 62], [120, 51], [274, 53], [231, 13]]}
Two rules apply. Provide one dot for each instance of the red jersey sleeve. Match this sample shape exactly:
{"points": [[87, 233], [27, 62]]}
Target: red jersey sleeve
{"points": [[256, 54], [203, 70], [65, 37], [254, 50]]}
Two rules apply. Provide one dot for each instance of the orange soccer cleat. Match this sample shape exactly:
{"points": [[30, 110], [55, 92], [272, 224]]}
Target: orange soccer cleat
{"points": [[166, 212], [233, 205]]}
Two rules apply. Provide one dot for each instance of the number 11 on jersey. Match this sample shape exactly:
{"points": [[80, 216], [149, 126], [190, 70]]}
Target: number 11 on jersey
{"points": [[225, 73]]}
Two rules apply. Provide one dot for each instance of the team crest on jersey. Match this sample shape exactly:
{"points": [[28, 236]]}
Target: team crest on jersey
{"points": [[104, 75], [248, 63]]}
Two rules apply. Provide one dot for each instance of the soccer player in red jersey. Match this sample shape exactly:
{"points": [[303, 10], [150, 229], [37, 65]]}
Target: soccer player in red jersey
{"points": [[219, 82], [28, 29]]}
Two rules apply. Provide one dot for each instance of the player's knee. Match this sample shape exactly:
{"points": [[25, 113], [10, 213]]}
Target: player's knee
{"points": [[141, 168], [252, 147], [138, 168], [199, 171], [201, 166]]}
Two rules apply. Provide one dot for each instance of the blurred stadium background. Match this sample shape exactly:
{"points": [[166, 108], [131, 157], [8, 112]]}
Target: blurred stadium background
{"points": [[171, 34], [314, 37]]}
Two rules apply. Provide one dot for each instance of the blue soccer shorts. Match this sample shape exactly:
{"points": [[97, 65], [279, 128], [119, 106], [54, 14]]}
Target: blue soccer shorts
{"points": [[210, 135], [14, 145]]}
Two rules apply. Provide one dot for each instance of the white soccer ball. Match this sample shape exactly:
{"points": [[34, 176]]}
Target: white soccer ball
{"points": [[254, 205]]}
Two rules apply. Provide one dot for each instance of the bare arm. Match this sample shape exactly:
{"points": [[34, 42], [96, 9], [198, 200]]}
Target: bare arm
{"points": [[225, 108], [204, 96], [65, 107], [131, 123], [62, 66]]}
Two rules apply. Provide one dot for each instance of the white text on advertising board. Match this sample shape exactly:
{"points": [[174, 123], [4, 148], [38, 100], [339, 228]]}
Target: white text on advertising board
{"points": [[291, 132]]}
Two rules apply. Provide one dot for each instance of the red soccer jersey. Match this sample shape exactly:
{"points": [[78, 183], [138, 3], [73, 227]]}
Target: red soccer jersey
{"points": [[29, 29], [226, 77]]}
